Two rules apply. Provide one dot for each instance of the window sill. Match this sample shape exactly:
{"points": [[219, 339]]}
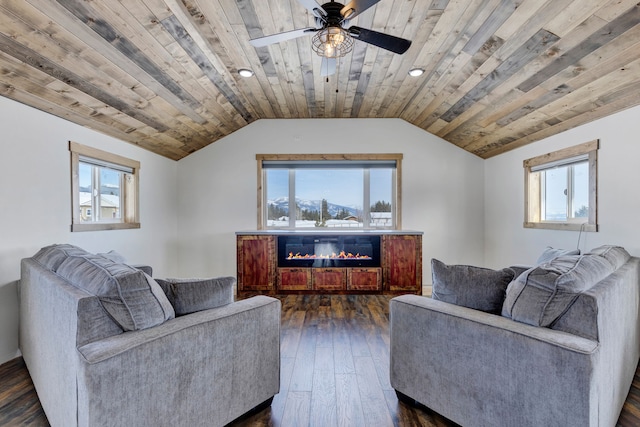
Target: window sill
{"points": [[105, 226], [561, 226]]}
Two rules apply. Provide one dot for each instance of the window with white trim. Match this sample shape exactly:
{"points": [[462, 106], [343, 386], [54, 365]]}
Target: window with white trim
{"points": [[104, 189], [561, 189], [344, 191]]}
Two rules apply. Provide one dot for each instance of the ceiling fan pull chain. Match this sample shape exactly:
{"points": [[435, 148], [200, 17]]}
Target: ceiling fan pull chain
{"points": [[337, 78], [326, 63]]}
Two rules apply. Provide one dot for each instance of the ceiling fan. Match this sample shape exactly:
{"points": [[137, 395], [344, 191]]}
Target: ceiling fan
{"points": [[333, 36]]}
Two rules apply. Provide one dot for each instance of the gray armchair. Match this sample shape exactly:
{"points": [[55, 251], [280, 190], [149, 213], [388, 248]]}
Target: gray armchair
{"points": [[97, 360], [482, 369]]}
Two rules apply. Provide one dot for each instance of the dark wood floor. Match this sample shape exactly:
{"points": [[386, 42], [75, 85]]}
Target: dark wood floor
{"points": [[335, 372]]}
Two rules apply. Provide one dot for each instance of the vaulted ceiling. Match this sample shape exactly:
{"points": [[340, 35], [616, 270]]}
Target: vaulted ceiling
{"points": [[163, 74]]}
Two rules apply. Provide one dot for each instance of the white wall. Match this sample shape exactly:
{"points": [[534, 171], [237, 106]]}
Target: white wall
{"points": [[442, 187], [36, 203], [508, 242]]}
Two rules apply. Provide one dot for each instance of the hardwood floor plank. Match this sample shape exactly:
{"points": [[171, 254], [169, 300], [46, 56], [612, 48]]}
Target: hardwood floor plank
{"points": [[343, 358], [323, 395], [373, 401], [302, 378], [324, 330], [358, 339], [348, 401], [280, 399], [380, 356], [19, 404], [400, 414], [296, 411], [290, 335]]}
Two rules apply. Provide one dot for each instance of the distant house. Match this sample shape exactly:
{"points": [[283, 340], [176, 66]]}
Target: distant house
{"points": [[381, 219], [109, 206]]}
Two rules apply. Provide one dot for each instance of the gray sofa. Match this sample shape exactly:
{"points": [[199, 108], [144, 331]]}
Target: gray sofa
{"points": [[105, 346], [562, 351]]}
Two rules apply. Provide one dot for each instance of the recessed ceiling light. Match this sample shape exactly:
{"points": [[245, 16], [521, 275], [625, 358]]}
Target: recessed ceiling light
{"points": [[415, 72], [245, 72]]}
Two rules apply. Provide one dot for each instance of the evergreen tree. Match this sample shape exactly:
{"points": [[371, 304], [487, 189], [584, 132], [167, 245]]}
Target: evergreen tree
{"points": [[583, 212], [381, 206], [275, 212], [325, 211], [342, 214], [310, 215]]}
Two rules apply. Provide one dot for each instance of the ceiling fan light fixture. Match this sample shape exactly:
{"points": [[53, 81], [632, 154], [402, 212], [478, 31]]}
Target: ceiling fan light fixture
{"points": [[348, 13], [416, 72], [332, 42], [245, 72]]}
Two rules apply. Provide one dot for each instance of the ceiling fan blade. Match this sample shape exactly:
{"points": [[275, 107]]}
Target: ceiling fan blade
{"points": [[313, 7], [356, 7], [281, 37], [385, 41], [328, 66]]}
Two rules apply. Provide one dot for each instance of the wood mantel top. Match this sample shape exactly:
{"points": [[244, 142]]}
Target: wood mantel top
{"points": [[313, 231]]}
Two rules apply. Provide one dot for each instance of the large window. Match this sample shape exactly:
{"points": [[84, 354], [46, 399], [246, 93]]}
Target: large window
{"points": [[104, 190], [330, 191], [561, 189]]}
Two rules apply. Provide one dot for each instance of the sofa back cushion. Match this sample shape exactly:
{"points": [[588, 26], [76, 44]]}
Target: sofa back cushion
{"points": [[616, 255], [468, 286], [190, 295], [132, 299], [550, 253], [540, 295], [581, 318], [50, 257]]}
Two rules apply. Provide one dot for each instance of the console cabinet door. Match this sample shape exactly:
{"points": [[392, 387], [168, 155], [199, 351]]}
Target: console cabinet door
{"points": [[403, 263], [256, 263], [328, 279], [294, 279], [364, 279]]}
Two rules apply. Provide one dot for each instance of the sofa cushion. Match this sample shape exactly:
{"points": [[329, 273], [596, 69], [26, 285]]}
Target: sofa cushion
{"points": [[50, 257], [134, 300], [543, 293], [114, 256], [473, 287], [191, 295], [616, 255], [550, 253]]}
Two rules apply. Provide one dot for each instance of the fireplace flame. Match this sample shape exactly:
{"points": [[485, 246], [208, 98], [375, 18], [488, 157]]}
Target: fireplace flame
{"points": [[341, 255]]}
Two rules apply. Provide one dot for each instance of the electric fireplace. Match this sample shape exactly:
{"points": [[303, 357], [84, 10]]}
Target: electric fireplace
{"points": [[324, 250]]}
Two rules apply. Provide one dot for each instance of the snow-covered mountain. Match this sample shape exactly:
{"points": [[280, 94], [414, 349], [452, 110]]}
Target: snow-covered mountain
{"points": [[313, 205]]}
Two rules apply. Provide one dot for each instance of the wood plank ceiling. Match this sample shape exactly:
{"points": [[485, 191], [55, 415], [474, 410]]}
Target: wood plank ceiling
{"points": [[162, 74]]}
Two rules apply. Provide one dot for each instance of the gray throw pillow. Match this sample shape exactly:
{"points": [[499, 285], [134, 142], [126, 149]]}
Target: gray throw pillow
{"points": [[191, 295], [550, 253], [132, 299], [473, 287], [543, 293]]}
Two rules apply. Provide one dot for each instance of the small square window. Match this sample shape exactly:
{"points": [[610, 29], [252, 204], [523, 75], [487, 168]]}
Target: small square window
{"points": [[562, 189], [104, 190]]}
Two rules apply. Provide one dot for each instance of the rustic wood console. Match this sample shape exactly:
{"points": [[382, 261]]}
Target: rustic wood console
{"points": [[396, 269]]}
